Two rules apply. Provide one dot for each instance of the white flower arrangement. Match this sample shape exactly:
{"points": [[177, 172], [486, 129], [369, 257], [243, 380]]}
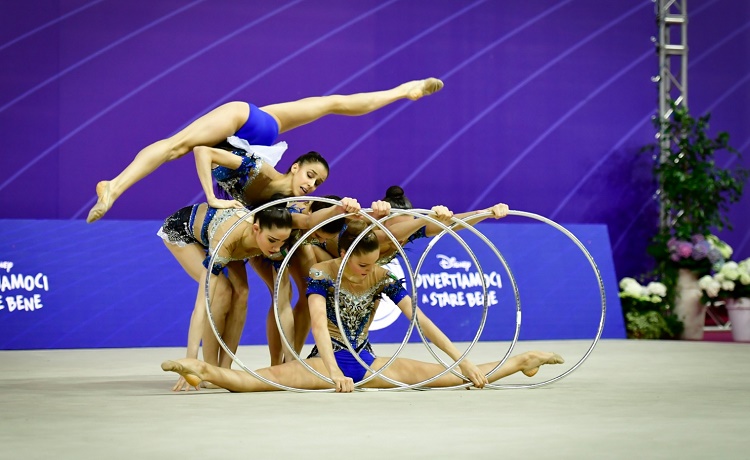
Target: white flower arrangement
{"points": [[731, 281], [653, 292], [646, 310]]}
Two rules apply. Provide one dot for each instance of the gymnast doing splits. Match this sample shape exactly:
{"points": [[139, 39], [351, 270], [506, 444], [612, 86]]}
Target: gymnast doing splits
{"points": [[362, 284], [256, 125]]}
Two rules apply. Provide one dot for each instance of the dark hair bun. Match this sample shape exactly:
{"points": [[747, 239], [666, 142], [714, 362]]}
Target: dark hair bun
{"points": [[394, 191], [277, 196]]}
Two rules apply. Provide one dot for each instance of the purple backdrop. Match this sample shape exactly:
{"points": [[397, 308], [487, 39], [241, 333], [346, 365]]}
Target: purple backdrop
{"points": [[546, 103]]}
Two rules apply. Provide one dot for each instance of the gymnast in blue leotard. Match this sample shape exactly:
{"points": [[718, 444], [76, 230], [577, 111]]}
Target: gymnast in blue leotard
{"points": [[259, 125], [362, 283], [191, 235], [248, 180]]}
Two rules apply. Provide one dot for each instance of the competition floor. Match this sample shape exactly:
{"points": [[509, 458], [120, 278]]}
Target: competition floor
{"points": [[630, 399]]}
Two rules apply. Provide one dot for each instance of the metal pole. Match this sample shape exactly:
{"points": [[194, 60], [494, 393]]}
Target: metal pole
{"points": [[672, 79]]}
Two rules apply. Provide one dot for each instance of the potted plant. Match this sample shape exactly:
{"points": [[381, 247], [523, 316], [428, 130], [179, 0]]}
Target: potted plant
{"points": [[695, 195], [731, 285], [647, 311]]}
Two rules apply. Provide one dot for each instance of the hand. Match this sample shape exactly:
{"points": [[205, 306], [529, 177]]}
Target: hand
{"points": [[182, 385], [499, 211], [380, 209], [473, 373], [442, 213], [224, 204], [349, 205], [342, 383]]}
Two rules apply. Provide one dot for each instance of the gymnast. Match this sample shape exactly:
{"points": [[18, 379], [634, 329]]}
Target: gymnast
{"points": [[299, 266], [245, 179], [362, 284], [258, 126], [193, 232]]}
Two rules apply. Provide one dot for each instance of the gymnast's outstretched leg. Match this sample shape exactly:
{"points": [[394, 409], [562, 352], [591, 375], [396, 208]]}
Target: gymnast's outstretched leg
{"points": [[228, 119], [292, 374], [410, 371], [210, 129], [290, 115]]}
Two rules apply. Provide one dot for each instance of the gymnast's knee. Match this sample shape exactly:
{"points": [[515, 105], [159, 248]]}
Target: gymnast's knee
{"points": [[177, 149]]}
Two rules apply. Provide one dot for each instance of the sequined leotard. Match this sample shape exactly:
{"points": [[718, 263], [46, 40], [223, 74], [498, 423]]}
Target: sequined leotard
{"points": [[235, 181], [357, 309], [179, 229]]}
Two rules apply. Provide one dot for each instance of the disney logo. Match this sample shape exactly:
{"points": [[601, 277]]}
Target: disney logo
{"points": [[6, 265], [451, 262]]}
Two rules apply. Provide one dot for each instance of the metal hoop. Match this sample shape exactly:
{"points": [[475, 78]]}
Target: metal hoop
{"points": [[402, 385], [419, 385], [208, 300], [598, 274], [280, 273], [512, 279]]}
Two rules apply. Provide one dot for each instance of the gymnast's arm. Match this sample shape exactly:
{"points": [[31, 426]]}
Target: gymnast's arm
{"points": [[436, 336], [306, 221], [319, 321], [403, 230], [497, 211], [205, 159]]}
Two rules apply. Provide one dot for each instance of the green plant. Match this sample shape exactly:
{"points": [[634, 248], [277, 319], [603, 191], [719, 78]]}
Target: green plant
{"points": [[648, 325], [695, 193], [647, 314]]}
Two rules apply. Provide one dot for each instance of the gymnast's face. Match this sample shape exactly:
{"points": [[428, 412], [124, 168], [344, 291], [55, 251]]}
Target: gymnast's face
{"points": [[322, 236], [270, 240], [307, 177], [361, 265]]}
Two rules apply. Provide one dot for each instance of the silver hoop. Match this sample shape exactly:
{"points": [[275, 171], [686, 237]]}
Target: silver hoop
{"points": [[512, 279], [420, 385], [208, 299], [280, 273], [448, 368], [414, 320], [598, 274]]}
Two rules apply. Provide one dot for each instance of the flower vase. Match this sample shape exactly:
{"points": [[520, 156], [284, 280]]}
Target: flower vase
{"points": [[739, 315], [688, 306]]}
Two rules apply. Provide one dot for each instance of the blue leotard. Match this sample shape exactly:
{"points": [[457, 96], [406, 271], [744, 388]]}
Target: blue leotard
{"points": [[260, 128], [234, 182], [357, 311]]}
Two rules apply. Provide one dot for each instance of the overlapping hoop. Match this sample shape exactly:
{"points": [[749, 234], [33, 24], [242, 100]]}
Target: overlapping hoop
{"points": [[422, 214], [280, 274], [598, 274], [414, 319], [223, 345], [516, 295]]}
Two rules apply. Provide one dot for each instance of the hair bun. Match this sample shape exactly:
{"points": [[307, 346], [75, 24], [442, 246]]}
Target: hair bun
{"points": [[394, 191], [277, 196]]}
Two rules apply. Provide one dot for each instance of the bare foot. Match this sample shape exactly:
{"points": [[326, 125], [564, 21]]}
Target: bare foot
{"points": [[186, 368], [421, 88], [210, 386], [103, 202], [535, 359]]}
